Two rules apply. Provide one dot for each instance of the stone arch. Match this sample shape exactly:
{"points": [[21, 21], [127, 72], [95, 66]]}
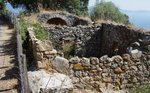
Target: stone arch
{"points": [[57, 21], [60, 18]]}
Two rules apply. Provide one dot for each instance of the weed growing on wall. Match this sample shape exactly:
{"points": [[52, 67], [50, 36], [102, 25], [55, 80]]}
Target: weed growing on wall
{"points": [[39, 31]]}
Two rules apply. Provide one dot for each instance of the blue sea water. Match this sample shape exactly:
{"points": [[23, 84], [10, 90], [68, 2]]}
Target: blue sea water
{"points": [[14, 10], [140, 19]]}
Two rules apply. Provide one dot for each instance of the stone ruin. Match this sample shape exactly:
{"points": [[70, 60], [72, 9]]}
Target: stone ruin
{"points": [[61, 18], [106, 56], [95, 40]]}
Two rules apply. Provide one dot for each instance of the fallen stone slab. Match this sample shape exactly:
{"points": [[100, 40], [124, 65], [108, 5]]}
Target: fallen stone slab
{"points": [[41, 81]]}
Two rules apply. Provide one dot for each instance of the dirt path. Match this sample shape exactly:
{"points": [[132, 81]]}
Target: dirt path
{"points": [[8, 68]]}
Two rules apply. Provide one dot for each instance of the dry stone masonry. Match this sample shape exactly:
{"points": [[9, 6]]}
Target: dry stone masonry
{"points": [[106, 56], [121, 72], [95, 40], [62, 18], [117, 72], [43, 51]]}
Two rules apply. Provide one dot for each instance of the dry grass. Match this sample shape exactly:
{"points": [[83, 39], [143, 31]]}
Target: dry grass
{"points": [[68, 48]]}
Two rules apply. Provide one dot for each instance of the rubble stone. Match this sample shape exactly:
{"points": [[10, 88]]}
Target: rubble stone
{"points": [[61, 64]]}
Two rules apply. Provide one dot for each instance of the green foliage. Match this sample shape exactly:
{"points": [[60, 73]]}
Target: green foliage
{"points": [[79, 7], [38, 29], [108, 11], [2, 7], [141, 89]]}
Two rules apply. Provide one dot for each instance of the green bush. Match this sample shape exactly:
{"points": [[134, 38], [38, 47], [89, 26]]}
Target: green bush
{"points": [[141, 89], [79, 7], [39, 31], [108, 11], [40, 34]]}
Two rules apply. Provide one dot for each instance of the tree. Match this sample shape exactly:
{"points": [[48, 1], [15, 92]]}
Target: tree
{"points": [[2, 7], [79, 7], [108, 11]]}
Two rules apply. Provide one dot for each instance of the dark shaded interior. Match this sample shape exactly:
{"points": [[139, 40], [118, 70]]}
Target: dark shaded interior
{"points": [[57, 21]]}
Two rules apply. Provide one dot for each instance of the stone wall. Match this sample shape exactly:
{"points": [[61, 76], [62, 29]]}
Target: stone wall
{"points": [[43, 51], [116, 38], [70, 20], [95, 40], [118, 72]]}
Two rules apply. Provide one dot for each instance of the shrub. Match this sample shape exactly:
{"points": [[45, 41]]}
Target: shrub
{"points": [[108, 11], [141, 89], [69, 48], [39, 31]]}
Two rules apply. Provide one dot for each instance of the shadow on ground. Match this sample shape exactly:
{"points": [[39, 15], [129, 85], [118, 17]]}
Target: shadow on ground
{"points": [[10, 48]]}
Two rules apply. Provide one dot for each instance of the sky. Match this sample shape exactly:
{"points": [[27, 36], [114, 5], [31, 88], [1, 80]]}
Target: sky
{"points": [[133, 5]]}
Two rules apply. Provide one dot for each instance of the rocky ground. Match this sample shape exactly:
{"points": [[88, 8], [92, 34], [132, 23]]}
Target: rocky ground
{"points": [[8, 68]]}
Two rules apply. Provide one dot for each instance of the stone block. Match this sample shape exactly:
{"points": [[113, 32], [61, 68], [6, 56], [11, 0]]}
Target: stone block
{"points": [[43, 46], [117, 59], [39, 56], [47, 45], [136, 54], [61, 65], [54, 82], [39, 47], [126, 57], [78, 67], [94, 60], [118, 70], [74, 60], [85, 62]]}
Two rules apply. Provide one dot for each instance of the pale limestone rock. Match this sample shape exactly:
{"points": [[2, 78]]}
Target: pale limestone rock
{"points": [[74, 60], [47, 45], [39, 46], [94, 60], [117, 59], [136, 54], [61, 64], [85, 62], [51, 82], [40, 64]]}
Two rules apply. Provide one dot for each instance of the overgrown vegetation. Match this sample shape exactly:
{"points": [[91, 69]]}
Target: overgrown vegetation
{"points": [[40, 34], [141, 89], [39, 31], [79, 7], [68, 49], [2, 7], [108, 11]]}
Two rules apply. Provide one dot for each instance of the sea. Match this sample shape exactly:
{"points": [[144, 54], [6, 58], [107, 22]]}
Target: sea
{"points": [[140, 19]]}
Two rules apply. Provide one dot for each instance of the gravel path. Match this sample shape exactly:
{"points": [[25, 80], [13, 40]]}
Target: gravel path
{"points": [[8, 68]]}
